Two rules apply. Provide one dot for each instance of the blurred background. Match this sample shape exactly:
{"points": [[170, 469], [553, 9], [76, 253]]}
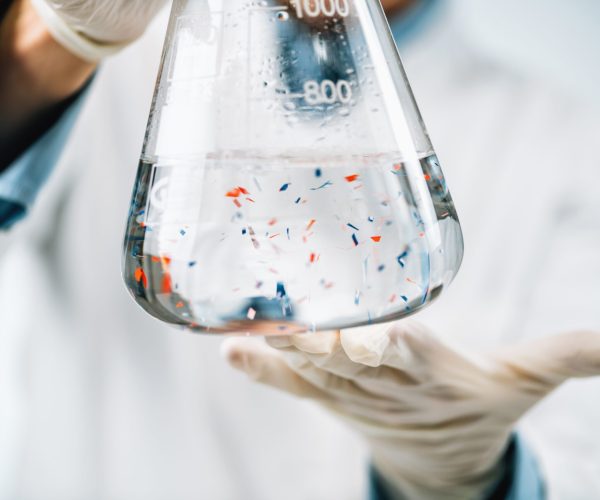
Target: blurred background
{"points": [[555, 39]]}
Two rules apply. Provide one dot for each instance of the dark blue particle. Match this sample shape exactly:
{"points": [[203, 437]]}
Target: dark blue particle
{"points": [[281, 290], [244, 231], [327, 184], [318, 172], [401, 258], [284, 187], [381, 268], [298, 200], [192, 263], [353, 227], [355, 240]]}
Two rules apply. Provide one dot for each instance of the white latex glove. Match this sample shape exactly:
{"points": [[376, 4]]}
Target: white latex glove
{"points": [[437, 420], [94, 29]]}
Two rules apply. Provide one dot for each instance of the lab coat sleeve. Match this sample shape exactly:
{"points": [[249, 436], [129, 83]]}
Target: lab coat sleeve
{"points": [[522, 479], [23, 179]]}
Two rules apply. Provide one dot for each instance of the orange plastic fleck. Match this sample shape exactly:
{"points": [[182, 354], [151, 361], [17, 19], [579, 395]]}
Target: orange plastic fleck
{"points": [[140, 276], [166, 284]]}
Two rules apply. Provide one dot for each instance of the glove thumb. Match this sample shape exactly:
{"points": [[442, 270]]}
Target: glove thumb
{"points": [[555, 359]]}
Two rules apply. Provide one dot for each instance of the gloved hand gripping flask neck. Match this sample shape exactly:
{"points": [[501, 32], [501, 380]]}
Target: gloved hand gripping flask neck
{"points": [[287, 182]]}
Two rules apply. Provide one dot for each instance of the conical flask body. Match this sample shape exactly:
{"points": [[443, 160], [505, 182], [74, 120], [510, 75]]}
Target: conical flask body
{"points": [[287, 182]]}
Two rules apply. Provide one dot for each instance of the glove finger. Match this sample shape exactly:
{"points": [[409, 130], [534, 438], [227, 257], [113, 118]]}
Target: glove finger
{"points": [[427, 358], [265, 365], [362, 362], [320, 359], [547, 362]]}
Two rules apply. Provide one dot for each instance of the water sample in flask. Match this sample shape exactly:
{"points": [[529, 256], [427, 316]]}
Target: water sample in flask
{"points": [[287, 182]]}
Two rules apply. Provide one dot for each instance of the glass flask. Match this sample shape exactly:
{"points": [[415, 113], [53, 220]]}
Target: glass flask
{"points": [[287, 182]]}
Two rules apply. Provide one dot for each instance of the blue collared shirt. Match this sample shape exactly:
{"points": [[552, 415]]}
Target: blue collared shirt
{"points": [[21, 182]]}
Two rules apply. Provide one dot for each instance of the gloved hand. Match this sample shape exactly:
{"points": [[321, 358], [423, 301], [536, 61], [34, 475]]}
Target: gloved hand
{"points": [[437, 419], [94, 29]]}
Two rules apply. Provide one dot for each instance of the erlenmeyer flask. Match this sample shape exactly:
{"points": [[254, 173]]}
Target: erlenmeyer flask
{"points": [[287, 182]]}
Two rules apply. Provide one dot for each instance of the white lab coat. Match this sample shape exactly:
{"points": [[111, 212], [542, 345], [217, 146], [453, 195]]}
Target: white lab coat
{"points": [[100, 401]]}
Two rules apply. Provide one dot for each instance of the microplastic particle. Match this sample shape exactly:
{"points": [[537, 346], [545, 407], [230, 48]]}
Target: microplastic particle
{"points": [[355, 240], [381, 268], [404, 298], [179, 305], [251, 314], [313, 257], [182, 232], [281, 291], [287, 231], [250, 200], [252, 237], [322, 186], [140, 276], [352, 178], [284, 187], [357, 297], [353, 226], [234, 193], [155, 259], [393, 298], [272, 222], [371, 219], [274, 236], [192, 263], [244, 231], [237, 203], [376, 239], [298, 200], [310, 224], [318, 172], [401, 258], [166, 286], [427, 177], [243, 190]]}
